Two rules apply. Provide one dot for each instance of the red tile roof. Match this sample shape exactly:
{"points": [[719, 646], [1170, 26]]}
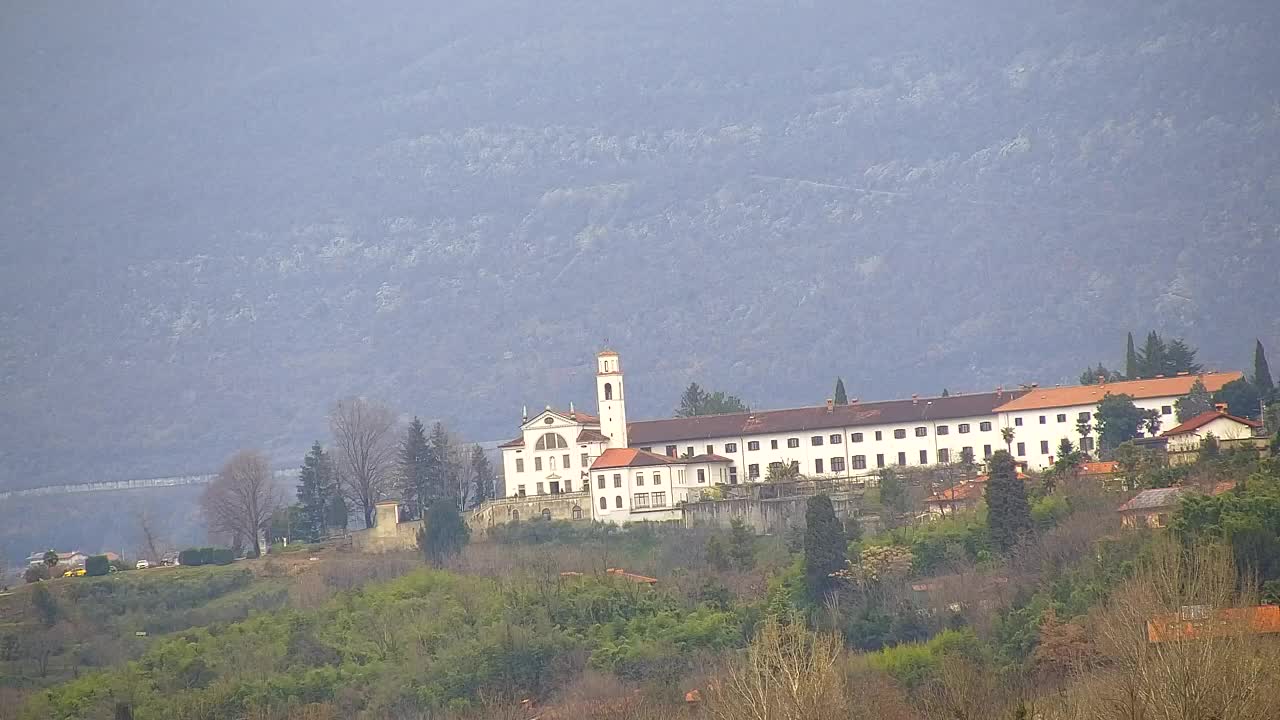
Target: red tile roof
{"points": [[1099, 468], [962, 492], [1205, 418], [629, 457], [1194, 622], [1075, 395], [804, 419], [518, 442], [706, 458]]}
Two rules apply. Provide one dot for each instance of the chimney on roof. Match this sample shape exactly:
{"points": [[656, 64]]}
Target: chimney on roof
{"points": [[1102, 379], [524, 413], [1221, 408], [831, 405]]}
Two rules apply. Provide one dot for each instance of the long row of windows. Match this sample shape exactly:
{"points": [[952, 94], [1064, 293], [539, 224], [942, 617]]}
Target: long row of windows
{"points": [[832, 439], [639, 501], [552, 461]]}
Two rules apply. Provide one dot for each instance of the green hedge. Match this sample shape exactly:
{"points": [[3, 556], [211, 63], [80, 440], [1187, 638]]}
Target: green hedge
{"points": [[206, 556], [97, 565]]}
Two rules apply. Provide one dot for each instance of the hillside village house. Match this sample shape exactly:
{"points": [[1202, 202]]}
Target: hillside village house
{"points": [[1183, 441], [642, 470], [72, 559]]}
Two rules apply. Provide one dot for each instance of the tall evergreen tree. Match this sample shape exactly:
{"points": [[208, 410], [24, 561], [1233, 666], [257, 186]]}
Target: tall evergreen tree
{"points": [[1179, 357], [1151, 360], [1008, 512], [1241, 397], [1196, 401], [1262, 372], [840, 397], [442, 476], [695, 401], [1131, 368], [317, 486], [1117, 420], [482, 476], [443, 533], [824, 546], [413, 469]]}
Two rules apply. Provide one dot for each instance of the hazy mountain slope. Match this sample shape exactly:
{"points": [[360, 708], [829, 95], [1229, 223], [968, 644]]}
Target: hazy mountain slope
{"points": [[218, 219]]}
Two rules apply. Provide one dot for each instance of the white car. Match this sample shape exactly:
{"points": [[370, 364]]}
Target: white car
{"points": [[142, 565]]}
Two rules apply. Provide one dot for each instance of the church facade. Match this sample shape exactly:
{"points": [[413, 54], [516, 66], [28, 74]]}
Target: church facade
{"points": [[623, 471]]}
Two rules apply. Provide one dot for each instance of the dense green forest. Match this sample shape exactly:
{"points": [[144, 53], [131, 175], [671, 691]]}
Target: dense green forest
{"points": [[952, 618], [220, 218]]}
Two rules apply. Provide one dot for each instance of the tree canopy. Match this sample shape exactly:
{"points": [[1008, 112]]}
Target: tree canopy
{"points": [[824, 546], [696, 401], [1008, 512], [1196, 401], [1117, 420]]}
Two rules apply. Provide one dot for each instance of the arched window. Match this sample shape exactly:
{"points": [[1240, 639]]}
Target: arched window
{"points": [[617, 501], [551, 441], [608, 391], [577, 512], [546, 513], [604, 504], [515, 515]]}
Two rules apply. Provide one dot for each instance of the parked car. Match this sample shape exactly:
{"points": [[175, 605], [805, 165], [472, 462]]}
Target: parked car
{"points": [[74, 572], [142, 565]]}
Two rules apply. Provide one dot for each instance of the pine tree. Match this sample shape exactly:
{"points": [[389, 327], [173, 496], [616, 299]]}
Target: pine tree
{"points": [[840, 398], [413, 469], [1008, 513], [482, 476], [443, 533], [1262, 372], [1152, 359], [442, 475], [1179, 357], [824, 546], [1195, 402], [1131, 367], [316, 488], [742, 545]]}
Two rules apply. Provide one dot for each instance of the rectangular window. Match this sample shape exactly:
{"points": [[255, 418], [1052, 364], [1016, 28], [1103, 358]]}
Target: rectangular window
{"points": [[966, 451], [617, 480], [836, 439], [753, 444], [879, 435], [902, 459], [586, 460], [815, 440], [711, 449], [565, 460], [837, 464], [1042, 419], [1017, 422], [793, 442], [944, 455], [733, 474], [520, 490], [860, 462], [943, 430], [986, 451], [964, 428], [856, 437], [753, 471], [817, 466], [1022, 449], [1044, 447], [600, 481], [639, 479], [924, 457], [519, 465], [539, 488], [1062, 417], [731, 447], [922, 431], [1164, 410], [647, 449], [702, 475], [775, 468], [689, 450], [984, 426], [1084, 416], [671, 451], [640, 501], [1086, 444], [537, 464], [900, 433], [773, 444], [659, 499], [879, 460]]}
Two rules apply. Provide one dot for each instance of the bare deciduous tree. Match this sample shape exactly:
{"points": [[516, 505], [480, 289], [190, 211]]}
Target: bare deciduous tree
{"points": [[241, 500], [149, 537], [365, 446], [788, 673]]}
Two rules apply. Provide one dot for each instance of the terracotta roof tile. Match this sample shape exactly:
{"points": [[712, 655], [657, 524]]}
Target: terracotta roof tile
{"points": [[629, 457], [1074, 395], [706, 458], [591, 435], [518, 442], [804, 419], [1100, 468], [1205, 418]]}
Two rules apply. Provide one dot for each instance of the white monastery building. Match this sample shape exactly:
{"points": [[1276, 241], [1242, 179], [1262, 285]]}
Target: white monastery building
{"points": [[643, 470]]}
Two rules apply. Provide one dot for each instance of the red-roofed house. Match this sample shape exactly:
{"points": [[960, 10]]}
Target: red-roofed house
{"points": [[1184, 440]]}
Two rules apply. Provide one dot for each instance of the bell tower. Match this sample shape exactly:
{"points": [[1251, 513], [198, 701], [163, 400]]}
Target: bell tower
{"points": [[611, 398]]}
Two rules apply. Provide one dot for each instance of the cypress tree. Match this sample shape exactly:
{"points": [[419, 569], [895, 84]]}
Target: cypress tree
{"points": [[482, 476], [1152, 359], [443, 533], [440, 471], [1008, 512], [840, 397], [316, 488], [414, 463], [1131, 368], [1262, 372], [824, 546]]}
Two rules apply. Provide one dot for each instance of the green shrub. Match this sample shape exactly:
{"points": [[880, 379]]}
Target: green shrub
{"points": [[97, 565], [222, 556]]}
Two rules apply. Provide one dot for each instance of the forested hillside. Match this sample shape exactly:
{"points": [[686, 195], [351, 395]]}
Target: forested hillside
{"points": [[220, 217]]}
